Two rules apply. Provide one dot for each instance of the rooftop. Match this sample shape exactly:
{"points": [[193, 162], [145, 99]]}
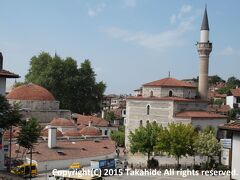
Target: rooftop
{"points": [[61, 122], [8, 74], [235, 92], [199, 114], [70, 150], [170, 82], [95, 121], [165, 99], [30, 92], [232, 126]]}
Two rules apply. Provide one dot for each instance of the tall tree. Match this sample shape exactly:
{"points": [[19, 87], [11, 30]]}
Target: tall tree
{"points": [[177, 140], [232, 82], [144, 138], [75, 88], [30, 131], [215, 79]]}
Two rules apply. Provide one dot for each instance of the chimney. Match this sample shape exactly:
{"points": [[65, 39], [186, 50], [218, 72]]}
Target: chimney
{"points": [[103, 114], [90, 124], [52, 137], [1, 61]]}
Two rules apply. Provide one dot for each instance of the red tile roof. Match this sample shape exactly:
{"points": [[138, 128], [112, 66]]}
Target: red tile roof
{"points": [[215, 95], [233, 126], [72, 132], [199, 114], [8, 74], [90, 131], [61, 122], [217, 108], [44, 133], [30, 92], [170, 82], [236, 92], [71, 150], [95, 121], [165, 99]]}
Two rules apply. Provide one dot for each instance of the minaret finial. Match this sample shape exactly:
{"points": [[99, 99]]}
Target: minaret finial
{"points": [[169, 74]]}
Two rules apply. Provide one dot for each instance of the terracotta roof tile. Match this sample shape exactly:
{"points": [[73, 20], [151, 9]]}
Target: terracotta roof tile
{"points": [[236, 92], [165, 99], [95, 121], [170, 82], [71, 150], [199, 114], [72, 132], [30, 92], [61, 122], [90, 131], [44, 133], [233, 126], [217, 108]]}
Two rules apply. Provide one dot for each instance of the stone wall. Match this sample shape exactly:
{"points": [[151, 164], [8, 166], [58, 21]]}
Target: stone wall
{"points": [[164, 92], [160, 111], [47, 116], [36, 105], [189, 106]]}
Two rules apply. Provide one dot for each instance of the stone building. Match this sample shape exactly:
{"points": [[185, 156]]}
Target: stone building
{"points": [[36, 101], [170, 100]]}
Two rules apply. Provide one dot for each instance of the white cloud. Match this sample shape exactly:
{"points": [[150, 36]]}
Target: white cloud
{"points": [[158, 41], [130, 3], [94, 11], [173, 19]]}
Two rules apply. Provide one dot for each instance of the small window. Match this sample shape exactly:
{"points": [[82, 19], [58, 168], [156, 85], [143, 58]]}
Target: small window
{"points": [[148, 109], [170, 94], [151, 93], [147, 121], [141, 122], [106, 132]]}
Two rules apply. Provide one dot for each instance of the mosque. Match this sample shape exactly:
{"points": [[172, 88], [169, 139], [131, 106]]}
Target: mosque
{"points": [[170, 100]]}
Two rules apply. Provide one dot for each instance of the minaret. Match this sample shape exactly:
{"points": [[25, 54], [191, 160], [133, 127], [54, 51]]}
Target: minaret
{"points": [[204, 48]]}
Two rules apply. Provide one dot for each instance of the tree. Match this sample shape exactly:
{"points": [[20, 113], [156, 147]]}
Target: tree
{"points": [[118, 137], [207, 145], [30, 131], [219, 102], [215, 79], [232, 113], [75, 88], [177, 140], [209, 129], [232, 82], [110, 116], [9, 114], [144, 138], [224, 90]]}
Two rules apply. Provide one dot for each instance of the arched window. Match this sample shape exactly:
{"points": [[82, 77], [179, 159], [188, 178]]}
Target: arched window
{"points": [[170, 93], [151, 93], [140, 123], [147, 122], [148, 109]]}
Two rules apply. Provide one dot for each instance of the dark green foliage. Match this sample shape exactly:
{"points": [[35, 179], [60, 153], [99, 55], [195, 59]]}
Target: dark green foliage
{"points": [[232, 82], [75, 88], [110, 116], [29, 133], [219, 102], [144, 138], [209, 129], [153, 163], [9, 115], [215, 79], [224, 90]]}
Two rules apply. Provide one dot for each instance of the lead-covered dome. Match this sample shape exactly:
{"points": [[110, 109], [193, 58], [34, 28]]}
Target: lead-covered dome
{"points": [[30, 92]]}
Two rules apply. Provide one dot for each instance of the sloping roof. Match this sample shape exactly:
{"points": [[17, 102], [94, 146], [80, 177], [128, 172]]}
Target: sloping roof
{"points": [[72, 132], [61, 122], [30, 92], [212, 94], [44, 133], [90, 131], [217, 108], [235, 92], [170, 82], [76, 150], [165, 99], [233, 126], [199, 114], [8, 74], [95, 121]]}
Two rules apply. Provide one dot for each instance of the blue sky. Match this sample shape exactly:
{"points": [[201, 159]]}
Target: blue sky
{"points": [[129, 42]]}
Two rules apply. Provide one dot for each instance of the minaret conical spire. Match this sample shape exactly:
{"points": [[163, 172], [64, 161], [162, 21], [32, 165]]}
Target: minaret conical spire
{"points": [[205, 25]]}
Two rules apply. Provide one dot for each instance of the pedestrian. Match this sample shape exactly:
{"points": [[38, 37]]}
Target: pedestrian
{"points": [[118, 152], [125, 164]]}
